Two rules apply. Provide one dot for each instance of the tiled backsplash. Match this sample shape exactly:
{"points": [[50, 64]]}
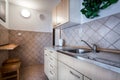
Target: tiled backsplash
{"points": [[31, 45], [104, 32], [3, 40]]}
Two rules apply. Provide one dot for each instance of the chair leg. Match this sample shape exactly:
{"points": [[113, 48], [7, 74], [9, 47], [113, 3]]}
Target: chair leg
{"points": [[18, 74]]}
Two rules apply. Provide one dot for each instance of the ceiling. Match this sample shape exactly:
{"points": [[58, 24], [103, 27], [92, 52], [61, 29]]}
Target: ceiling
{"points": [[36, 4]]}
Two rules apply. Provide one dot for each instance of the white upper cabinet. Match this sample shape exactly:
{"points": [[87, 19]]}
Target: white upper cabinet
{"points": [[67, 13]]}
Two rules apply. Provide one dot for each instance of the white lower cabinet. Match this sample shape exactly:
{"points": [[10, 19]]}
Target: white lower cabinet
{"points": [[67, 73], [58, 66], [57, 70]]}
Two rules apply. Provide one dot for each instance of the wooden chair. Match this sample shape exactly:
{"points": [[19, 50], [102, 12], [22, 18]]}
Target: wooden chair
{"points": [[10, 69]]}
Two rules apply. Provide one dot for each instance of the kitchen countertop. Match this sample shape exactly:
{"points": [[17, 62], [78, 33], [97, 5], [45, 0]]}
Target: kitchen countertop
{"points": [[101, 62]]}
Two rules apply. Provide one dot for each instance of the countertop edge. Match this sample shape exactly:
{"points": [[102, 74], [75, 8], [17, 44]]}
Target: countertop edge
{"points": [[103, 65]]}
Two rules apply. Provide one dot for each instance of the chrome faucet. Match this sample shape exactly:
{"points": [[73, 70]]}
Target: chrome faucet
{"points": [[93, 48]]}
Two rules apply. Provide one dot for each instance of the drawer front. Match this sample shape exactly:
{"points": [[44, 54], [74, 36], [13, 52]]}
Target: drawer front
{"points": [[52, 72], [53, 75], [52, 53], [53, 61]]}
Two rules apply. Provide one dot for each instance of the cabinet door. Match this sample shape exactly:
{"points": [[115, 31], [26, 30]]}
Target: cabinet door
{"points": [[65, 10], [67, 73], [59, 11]]}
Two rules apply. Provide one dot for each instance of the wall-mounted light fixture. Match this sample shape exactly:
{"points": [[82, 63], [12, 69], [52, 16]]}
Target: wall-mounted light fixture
{"points": [[25, 13]]}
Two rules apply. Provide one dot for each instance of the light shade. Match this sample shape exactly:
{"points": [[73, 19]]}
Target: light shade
{"points": [[25, 13]]}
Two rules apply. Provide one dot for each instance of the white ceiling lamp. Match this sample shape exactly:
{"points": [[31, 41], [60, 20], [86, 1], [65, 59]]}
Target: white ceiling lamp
{"points": [[25, 13]]}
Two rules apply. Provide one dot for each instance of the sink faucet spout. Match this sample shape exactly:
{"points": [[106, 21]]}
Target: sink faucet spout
{"points": [[94, 48], [87, 44]]}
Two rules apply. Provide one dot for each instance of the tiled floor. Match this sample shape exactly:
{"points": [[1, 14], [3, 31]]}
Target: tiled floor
{"points": [[35, 72]]}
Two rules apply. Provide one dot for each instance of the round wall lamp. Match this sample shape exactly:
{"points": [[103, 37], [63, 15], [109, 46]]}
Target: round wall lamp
{"points": [[42, 17], [25, 13]]}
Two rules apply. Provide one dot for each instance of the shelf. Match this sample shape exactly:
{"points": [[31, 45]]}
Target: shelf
{"points": [[8, 47]]}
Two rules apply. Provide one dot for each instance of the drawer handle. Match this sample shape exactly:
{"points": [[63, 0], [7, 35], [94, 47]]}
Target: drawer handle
{"points": [[51, 52], [46, 55], [74, 74], [51, 66], [58, 24], [51, 59], [51, 72]]}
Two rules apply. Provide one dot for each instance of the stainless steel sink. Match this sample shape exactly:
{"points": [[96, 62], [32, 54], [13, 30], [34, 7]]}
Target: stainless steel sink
{"points": [[85, 53], [76, 51]]}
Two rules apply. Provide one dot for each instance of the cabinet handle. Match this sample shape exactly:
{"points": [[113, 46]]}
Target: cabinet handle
{"points": [[51, 66], [51, 52], [74, 74], [46, 55], [51, 59], [51, 72], [58, 24]]}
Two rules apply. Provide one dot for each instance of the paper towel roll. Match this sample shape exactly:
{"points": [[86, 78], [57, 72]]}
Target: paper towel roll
{"points": [[60, 42]]}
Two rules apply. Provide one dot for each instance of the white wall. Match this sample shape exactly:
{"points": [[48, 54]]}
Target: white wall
{"points": [[6, 24], [34, 23]]}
